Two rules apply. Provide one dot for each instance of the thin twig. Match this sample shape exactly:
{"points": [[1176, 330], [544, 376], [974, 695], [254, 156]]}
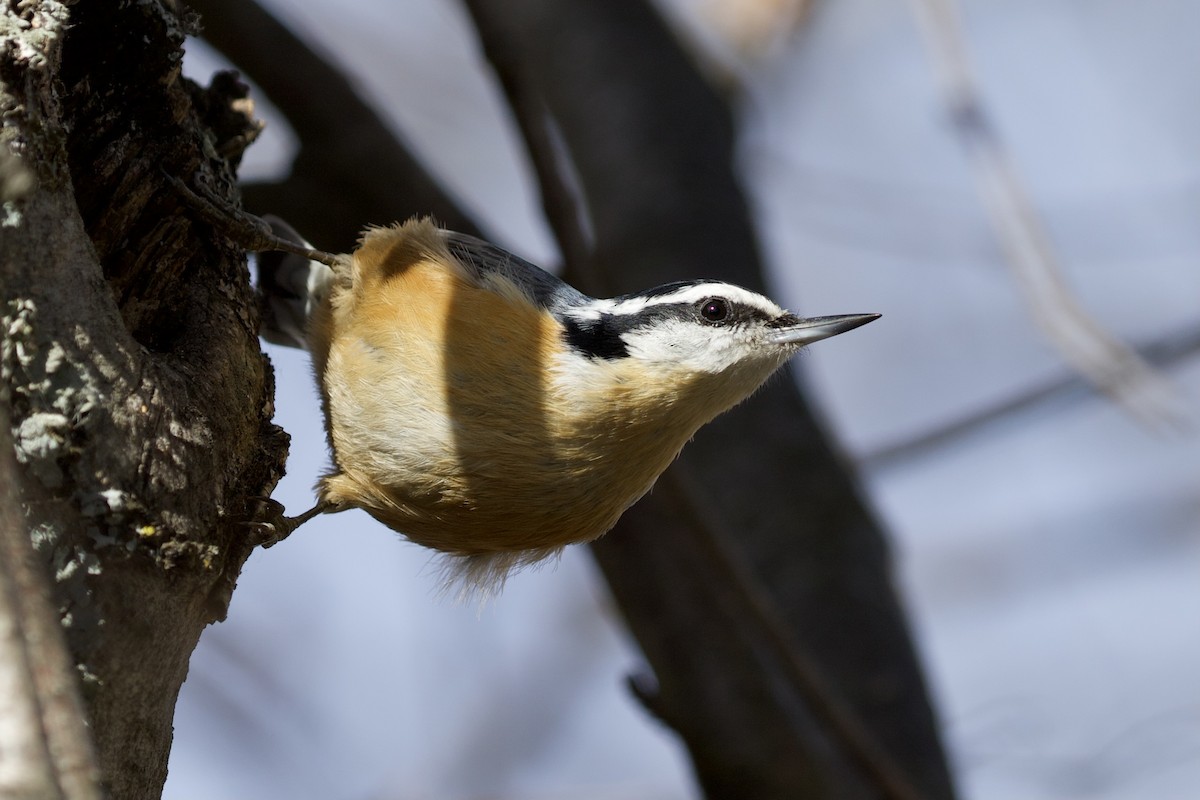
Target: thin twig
{"points": [[1161, 352], [562, 201], [1109, 364]]}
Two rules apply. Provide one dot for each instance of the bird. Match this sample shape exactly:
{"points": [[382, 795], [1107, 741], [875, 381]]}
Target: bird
{"points": [[484, 408]]}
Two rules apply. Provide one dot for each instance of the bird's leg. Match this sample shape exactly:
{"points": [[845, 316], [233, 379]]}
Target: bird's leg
{"points": [[271, 526], [253, 233]]}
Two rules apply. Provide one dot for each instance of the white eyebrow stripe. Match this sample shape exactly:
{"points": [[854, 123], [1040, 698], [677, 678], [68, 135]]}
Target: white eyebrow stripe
{"points": [[687, 294]]}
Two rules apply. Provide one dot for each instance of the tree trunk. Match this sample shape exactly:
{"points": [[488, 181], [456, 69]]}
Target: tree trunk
{"points": [[139, 399]]}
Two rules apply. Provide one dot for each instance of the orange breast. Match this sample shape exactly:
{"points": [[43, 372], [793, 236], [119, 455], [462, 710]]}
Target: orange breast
{"points": [[439, 408]]}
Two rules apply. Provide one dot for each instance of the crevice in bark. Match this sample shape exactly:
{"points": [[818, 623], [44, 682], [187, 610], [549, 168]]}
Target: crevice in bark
{"points": [[140, 401]]}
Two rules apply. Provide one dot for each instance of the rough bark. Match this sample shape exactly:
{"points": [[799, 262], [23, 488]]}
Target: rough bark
{"points": [[46, 750], [139, 399]]}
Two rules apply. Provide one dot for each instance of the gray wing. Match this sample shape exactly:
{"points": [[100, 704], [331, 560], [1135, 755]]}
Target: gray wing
{"points": [[486, 260]]}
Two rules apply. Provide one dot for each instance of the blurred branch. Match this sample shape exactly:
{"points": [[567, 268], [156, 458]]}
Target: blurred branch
{"points": [[1109, 364], [651, 147], [352, 169], [749, 601], [45, 749], [558, 184], [628, 139], [1163, 352]]}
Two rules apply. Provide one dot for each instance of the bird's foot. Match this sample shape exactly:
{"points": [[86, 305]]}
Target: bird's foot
{"points": [[269, 525], [248, 231]]}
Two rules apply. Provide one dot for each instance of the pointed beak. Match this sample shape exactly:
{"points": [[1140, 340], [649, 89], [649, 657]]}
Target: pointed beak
{"points": [[790, 329]]}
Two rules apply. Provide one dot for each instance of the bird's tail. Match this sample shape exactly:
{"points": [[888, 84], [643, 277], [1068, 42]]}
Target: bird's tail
{"points": [[291, 287]]}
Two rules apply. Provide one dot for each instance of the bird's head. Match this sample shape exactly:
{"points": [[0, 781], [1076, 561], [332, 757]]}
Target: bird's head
{"points": [[699, 328]]}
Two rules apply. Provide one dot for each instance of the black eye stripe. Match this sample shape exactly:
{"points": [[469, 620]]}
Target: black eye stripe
{"points": [[602, 335]]}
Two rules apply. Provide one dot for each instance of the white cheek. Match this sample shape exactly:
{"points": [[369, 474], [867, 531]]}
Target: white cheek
{"points": [[689, 346]]}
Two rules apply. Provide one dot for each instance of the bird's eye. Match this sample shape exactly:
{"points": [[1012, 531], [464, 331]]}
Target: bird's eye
{"points": [[715, 309]]}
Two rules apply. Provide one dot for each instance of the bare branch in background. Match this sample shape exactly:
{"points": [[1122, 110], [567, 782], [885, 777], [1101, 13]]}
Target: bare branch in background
{"points": [[626, 137], [746, 598], [713, 570], [562, 197], [1107, 363], [1162, 352], [346, 151]]}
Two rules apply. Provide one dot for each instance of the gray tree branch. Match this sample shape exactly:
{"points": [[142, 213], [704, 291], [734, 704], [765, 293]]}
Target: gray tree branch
{"points": [[653, 146], [1108, 363], [351, 170]]}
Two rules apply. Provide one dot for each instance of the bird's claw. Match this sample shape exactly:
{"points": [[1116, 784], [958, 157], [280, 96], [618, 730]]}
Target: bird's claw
{"points": [[269, 525], [246, 230]]}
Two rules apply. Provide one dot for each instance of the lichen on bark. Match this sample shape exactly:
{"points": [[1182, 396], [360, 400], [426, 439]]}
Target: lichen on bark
{"points": [[139, 399]]}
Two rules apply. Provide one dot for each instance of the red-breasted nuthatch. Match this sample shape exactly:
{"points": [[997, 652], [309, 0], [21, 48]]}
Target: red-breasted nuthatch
{"points": [[486, 409]]}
